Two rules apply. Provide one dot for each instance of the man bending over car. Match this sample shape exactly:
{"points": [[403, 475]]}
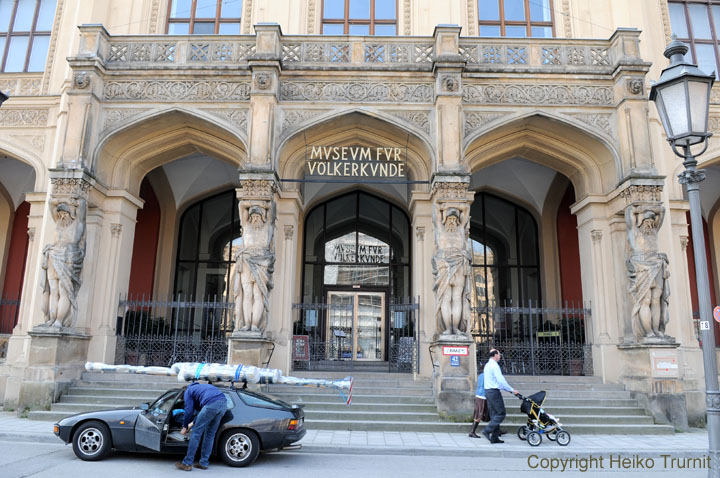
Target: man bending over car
{"points": [[212, 405]]}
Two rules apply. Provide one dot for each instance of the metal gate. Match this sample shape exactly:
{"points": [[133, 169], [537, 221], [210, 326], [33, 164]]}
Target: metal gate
{"points": [[316, 348], [535, 340], [179, 329]]}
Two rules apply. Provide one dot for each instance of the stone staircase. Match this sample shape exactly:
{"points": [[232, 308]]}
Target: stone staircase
{"points": [[389, 402]]}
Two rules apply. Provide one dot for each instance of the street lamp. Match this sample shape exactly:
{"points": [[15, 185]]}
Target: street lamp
{"points": [[3, 97], [682, 98]]}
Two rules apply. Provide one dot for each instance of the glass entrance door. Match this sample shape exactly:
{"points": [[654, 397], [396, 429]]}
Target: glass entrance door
{"points": [[356, 325]]}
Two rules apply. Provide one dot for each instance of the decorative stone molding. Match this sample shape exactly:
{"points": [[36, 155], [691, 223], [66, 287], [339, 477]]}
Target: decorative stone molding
{"points": [[257, 188], [247, 21], [237, 117], [715, 95], [450, 84], [537, 94], [472, 24], [641, 193], [596, 235], [450, 190], [288, 229], [509, 57], [420, 233], [147, 52], [70, 187], [120, 115], [311, 16], [597, 120], [31, 234], [154, 12], [636, 86], [115, 229], [23, 117], [263, 81], [294, 117], [407, 26], [53, 45], [21, 86], [81, 80], [475, 121], [356, 91], [684, 240], [173, 90], [714, 124], [35, 142], [421, 119], [567, 23], [667, 29]]}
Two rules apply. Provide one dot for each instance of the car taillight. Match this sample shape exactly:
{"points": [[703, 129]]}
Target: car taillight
{"points": [[293, 424]]}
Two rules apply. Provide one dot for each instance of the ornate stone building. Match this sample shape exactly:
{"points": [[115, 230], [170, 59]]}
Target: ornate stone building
{"points": [[326, 184]]}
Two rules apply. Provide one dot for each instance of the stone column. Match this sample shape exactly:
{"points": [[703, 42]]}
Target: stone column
{"points": [[421, 213], [251, 281], [451, 265]]}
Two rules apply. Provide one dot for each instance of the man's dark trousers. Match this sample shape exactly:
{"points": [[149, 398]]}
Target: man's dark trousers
{"points": [[497, 413]]}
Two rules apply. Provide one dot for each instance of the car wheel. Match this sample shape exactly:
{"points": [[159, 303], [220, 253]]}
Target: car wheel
{"points": [[239, 447], [91, 441]]}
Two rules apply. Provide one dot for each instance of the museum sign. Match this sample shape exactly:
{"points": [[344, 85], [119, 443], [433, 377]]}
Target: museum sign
{"points": [[356, 163]]}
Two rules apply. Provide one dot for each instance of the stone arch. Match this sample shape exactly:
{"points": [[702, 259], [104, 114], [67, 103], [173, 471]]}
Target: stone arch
{"points": [[343, 127], [125, 156], [25, 157], [589, 160]]}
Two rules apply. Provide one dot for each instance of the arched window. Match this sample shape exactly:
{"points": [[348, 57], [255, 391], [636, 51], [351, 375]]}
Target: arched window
{"points": [[504, 245], [209, 235]]}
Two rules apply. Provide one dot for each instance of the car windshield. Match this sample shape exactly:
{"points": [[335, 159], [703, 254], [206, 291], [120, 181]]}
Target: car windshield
{"points": [[256, 399], [162, 405]]}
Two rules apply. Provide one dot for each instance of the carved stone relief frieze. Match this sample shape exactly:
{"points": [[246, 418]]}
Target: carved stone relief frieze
{"points": [[356, 91], [407, 26], [237, 117], [475, 121], [35, 142], [420, 119], [154, 12], [536, 94], [641, 193], [601, 121], [311, 16], [23, 117], [714, 124], [21, 86], [114, 117], [175, 90], [294, 117]]}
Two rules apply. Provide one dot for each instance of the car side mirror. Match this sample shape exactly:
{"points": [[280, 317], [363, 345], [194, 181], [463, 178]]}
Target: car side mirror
{"points": [[145, 406]]}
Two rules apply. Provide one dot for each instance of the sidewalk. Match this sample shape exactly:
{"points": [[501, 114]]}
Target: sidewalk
{"points": [[680, 445]]}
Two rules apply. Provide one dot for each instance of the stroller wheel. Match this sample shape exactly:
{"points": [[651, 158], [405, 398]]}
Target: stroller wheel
{"points": [[563, 438], [552, 436], [522, 432], [534, 439]]}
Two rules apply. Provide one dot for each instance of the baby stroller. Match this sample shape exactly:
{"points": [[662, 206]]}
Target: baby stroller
{"points": [[540, 422]]}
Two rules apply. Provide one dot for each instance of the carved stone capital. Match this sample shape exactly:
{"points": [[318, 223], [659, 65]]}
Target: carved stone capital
{"points": [[450, 189], [596, 235], [252, 188], [115, 229], [289, 229], [684, 240], [31, 234], [450, 83], [648, 193], [420, 233], [70, 186], [263, 81], [690, 176]]}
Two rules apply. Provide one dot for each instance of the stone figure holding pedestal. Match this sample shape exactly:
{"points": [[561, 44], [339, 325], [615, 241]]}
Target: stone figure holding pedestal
{"points": [[451, 265], [648, 273], [254, 263], [62, 261]]}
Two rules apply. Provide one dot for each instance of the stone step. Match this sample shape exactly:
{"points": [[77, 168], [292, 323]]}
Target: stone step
{"points": [[357, 375], [551, 386], [104, 399], [160, 386], [575, 379], [449, 427], [356, 398], [127, 377], [119, 392]]}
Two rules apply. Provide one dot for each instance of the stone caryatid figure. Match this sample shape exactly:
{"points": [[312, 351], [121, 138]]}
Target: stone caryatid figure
{"points": [[451, 265], [648, 273], [254, 263], [62, 261]]}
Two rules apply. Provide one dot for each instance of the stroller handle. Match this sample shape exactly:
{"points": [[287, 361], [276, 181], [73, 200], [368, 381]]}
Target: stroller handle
{"points": [[520, 396]]}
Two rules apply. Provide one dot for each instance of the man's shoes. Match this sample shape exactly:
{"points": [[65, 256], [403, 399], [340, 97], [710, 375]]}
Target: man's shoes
{"points": [[473, 435], [497, 440], [486, 435], [202, 467], [182, 466]]}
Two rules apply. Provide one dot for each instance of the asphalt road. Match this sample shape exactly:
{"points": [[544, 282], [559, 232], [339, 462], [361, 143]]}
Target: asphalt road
{"points": [[24, 459]]}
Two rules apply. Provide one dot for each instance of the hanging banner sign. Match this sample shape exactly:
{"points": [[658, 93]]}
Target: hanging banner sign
{"points": [[356, 163]]}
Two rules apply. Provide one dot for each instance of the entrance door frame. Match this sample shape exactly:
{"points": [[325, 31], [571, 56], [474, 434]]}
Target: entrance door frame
{"points": [[362, 289]]}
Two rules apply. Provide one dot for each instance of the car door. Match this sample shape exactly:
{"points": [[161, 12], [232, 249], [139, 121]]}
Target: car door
{"points": [[151, 423]]}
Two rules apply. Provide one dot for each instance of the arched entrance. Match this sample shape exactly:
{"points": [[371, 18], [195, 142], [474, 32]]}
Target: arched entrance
{"points": [[356, 275]]}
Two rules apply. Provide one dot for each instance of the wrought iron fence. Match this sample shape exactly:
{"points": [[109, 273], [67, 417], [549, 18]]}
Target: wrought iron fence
{"points": [[316, 347], [535, 339], [178, 329], [9, 311]]}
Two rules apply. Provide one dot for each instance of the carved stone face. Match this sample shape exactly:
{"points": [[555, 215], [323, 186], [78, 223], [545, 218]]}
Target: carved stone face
{"points": [[256, 220], [451, 223]]}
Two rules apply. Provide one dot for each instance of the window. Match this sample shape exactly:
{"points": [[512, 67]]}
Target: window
{"points": [[697, 23], [25, 27], [204, 17], [515, 18], [359, 17]]}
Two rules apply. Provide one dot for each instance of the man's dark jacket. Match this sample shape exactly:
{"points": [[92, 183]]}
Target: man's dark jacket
{"points": [[197, 396]]}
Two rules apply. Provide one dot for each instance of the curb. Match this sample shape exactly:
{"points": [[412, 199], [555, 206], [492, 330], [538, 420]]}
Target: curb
{"points": [[31, 437]]}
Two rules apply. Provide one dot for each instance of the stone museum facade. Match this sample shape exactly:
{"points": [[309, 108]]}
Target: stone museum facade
{"points": [[394, 185]]}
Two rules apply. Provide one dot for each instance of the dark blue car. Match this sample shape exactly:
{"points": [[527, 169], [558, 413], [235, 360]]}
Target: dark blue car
{"points": [[253, 422]]}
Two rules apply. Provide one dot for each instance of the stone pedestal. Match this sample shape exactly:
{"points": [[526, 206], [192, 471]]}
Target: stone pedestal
{"points": [[55, 358], [249, 349], [453, 378], [653, 373]]}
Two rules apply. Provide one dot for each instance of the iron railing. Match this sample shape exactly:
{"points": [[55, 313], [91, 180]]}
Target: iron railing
{"points": [[535, 339], [178, 329], [9, 311]]}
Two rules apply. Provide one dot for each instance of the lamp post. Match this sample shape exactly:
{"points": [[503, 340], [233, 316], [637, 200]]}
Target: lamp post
{"points": [[3, 97], [682, 98]]}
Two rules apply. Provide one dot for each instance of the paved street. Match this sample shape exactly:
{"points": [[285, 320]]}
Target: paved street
{"points": [[28, 448]]}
